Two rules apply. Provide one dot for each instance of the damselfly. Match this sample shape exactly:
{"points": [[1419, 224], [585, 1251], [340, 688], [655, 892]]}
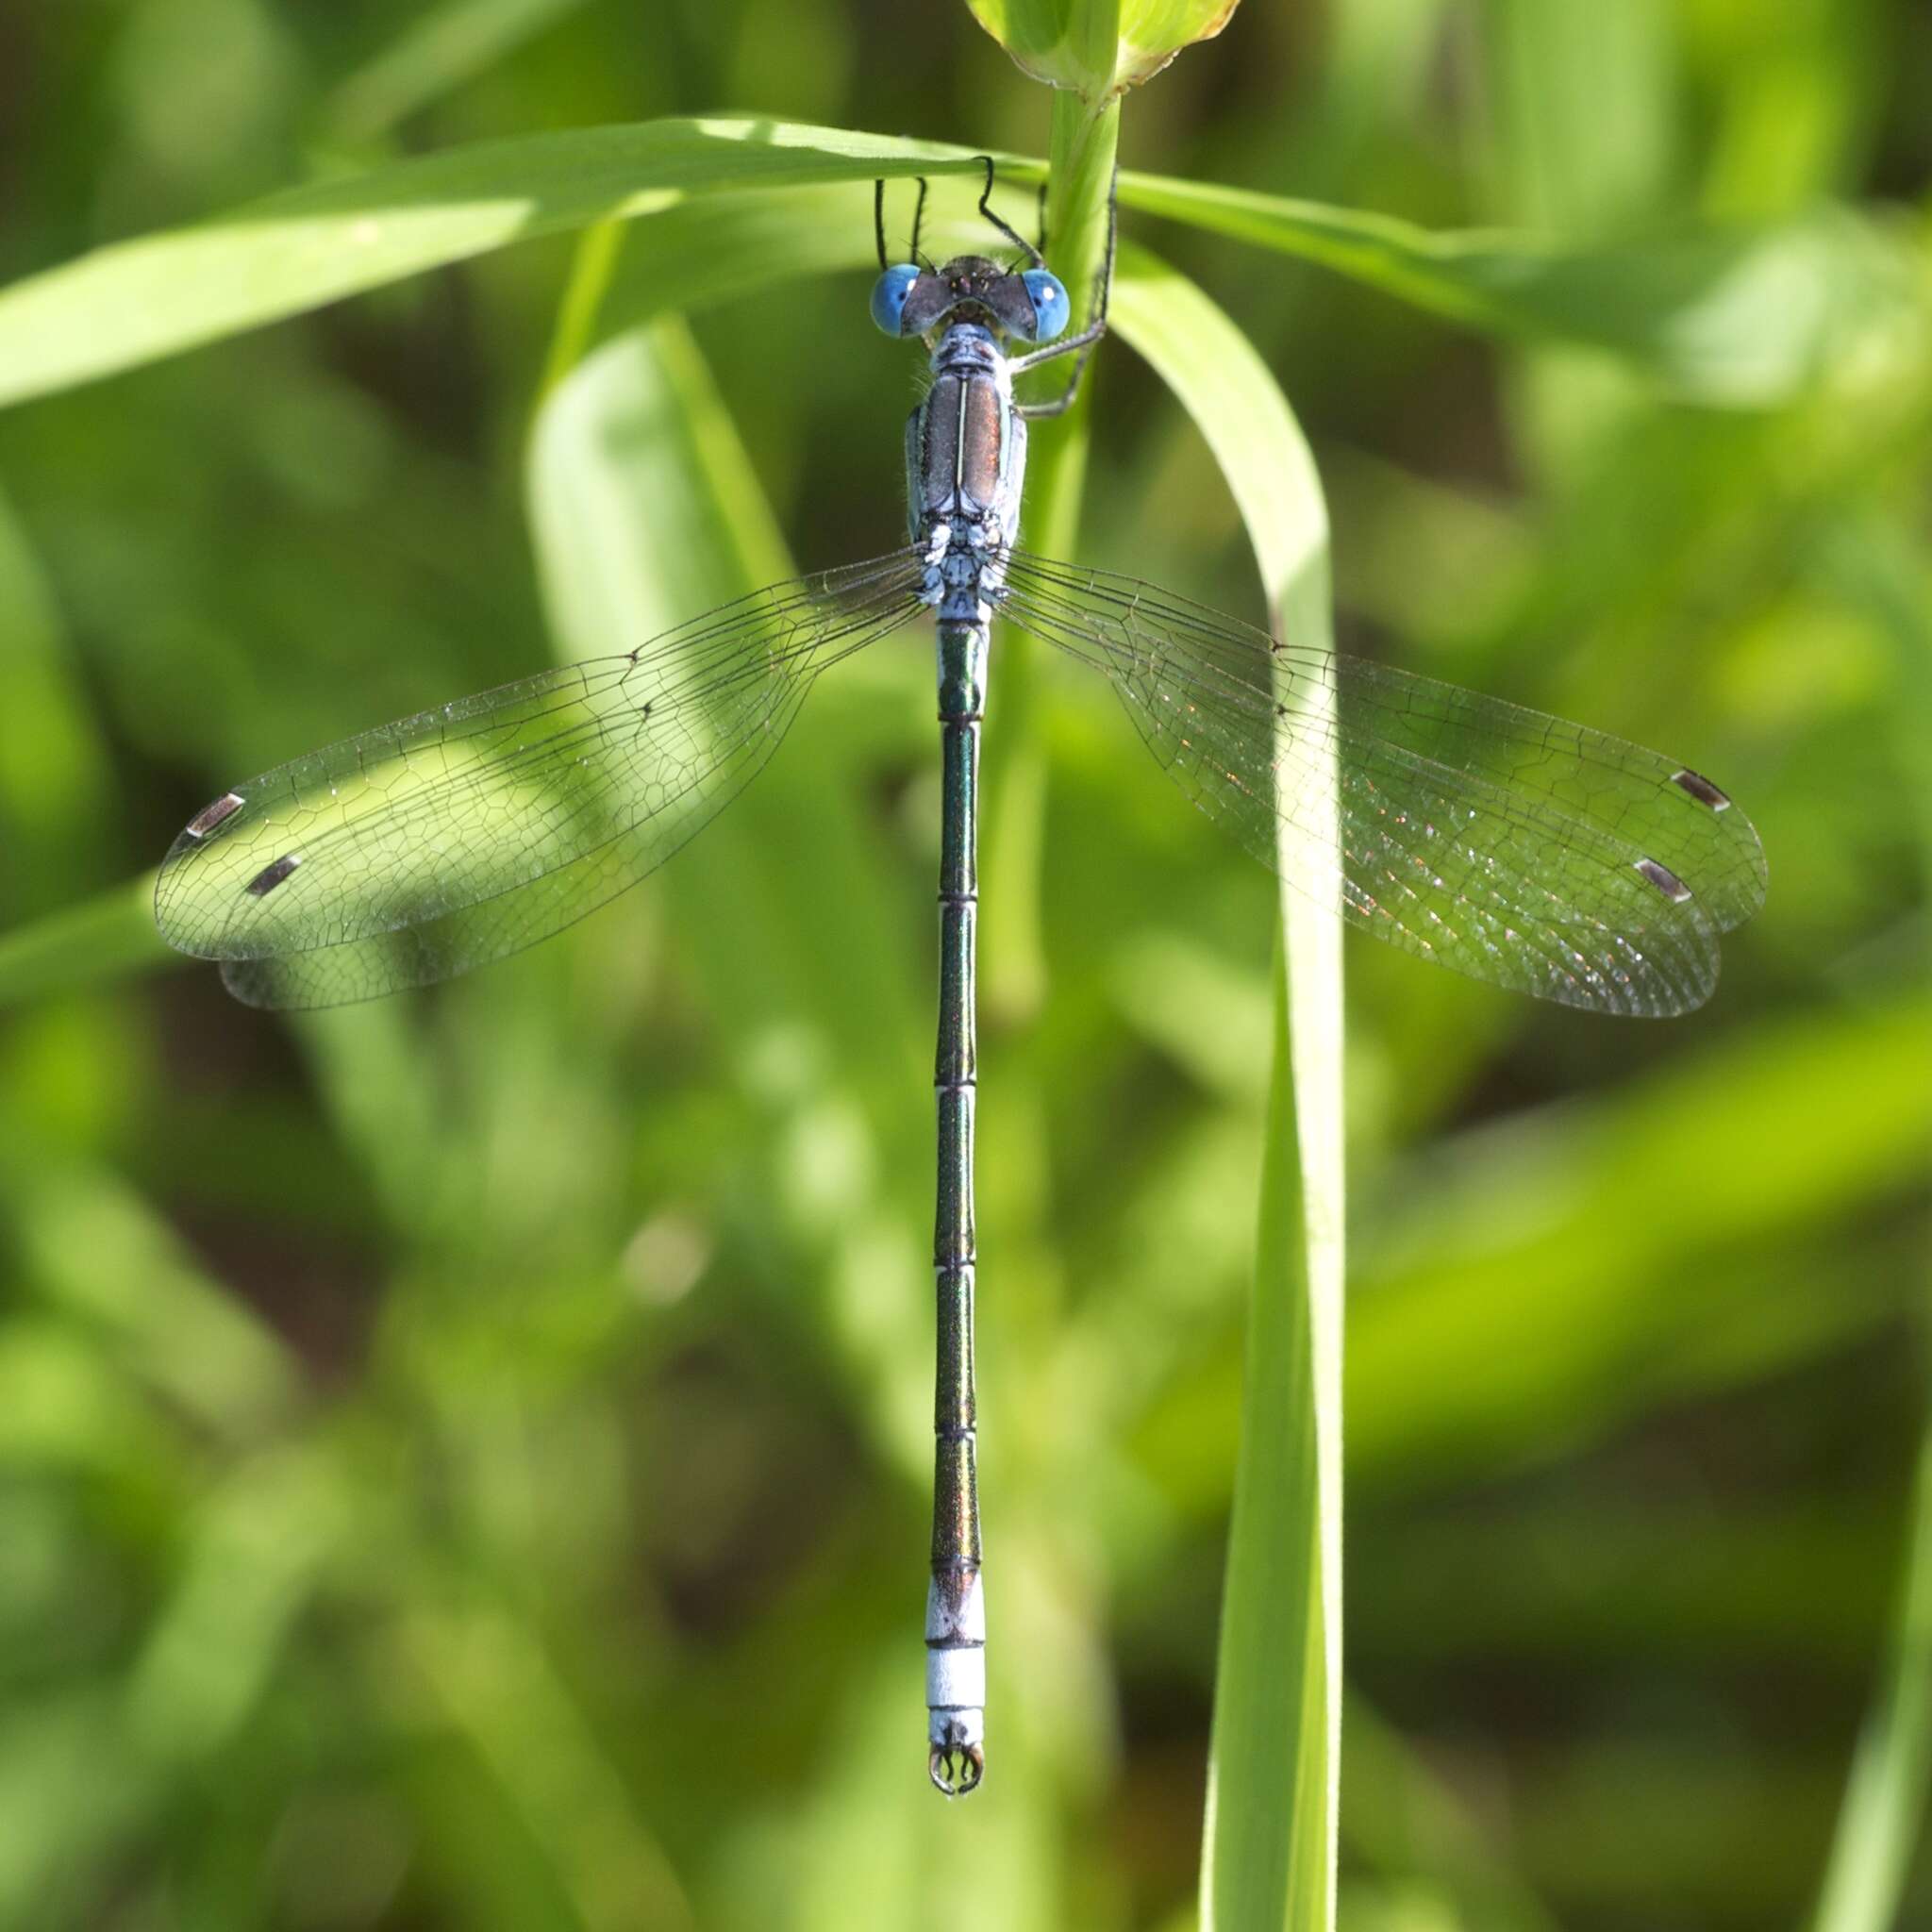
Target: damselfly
{"points": [[1513, 847]]}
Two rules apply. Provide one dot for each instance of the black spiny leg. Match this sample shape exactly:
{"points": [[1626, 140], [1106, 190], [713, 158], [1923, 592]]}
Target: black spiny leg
{"points": [[1005, 227], [878, 220], [1081, 346]]}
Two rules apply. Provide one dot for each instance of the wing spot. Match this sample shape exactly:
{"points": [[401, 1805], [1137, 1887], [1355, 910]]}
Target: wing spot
{"points": [[211, 816], [1701, 788], [270, 877], [1664, 879]]}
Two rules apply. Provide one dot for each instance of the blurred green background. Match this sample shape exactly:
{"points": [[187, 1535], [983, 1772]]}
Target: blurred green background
{"points": [[464, 1461]]}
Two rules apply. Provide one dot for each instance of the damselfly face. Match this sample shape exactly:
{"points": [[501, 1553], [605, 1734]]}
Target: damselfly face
{"points": [[1029, 305]]}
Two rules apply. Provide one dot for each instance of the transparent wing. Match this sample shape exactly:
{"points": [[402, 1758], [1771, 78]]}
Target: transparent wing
{"points": [[1504, 843], [428, 846]]}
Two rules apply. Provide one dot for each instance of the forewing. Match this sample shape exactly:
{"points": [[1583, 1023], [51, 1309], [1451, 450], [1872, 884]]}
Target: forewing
{"points": [[428, 846], [1507, 844]]}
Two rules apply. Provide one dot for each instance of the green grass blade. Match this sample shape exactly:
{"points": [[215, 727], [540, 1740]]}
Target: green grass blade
{"points": [[87, 944], [1884, 1805], [134, 301], [1268, 1857], [1876, 562], [1740, 315], [645, 509], [622, 561], [594, 264], [1013, 954], [55, 792]]}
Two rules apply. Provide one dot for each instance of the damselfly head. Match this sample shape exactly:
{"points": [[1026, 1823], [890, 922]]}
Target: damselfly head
{"points": [[1028, 304]]}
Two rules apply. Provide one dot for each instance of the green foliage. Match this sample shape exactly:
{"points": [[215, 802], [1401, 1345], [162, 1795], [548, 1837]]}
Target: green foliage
{"points": [[1740, 315], [464, 1460], [131, 302], [1885, 1796], [1274, 1770]]}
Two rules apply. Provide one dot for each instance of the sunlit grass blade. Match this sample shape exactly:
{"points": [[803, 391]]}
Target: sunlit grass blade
{"points": [[644, 509], [133, 301], [622, 562], [1743, 315], [1269, 1856]]}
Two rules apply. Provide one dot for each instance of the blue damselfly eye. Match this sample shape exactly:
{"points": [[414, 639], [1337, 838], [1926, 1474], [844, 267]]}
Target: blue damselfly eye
{"points": [[1051, 308], [889, 296]]}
